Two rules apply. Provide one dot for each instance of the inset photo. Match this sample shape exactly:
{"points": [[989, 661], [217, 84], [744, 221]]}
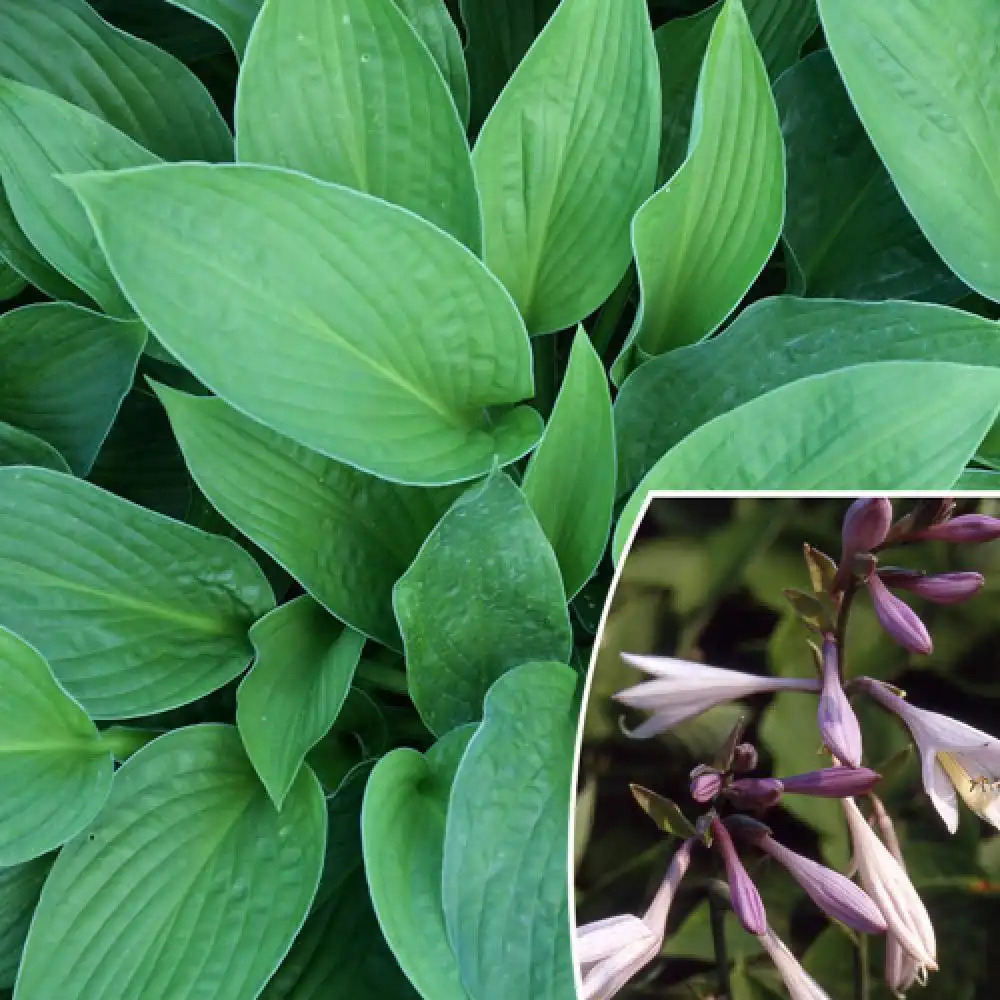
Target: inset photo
{"points": [[788, 779]]}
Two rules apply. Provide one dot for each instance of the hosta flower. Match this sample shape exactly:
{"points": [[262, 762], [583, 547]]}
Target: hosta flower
{"points": [[754, 793], [706, 783], [954, 758], [744, 897], [832, 782], [838, 725], [898, 618], [798, 982], [683, 689], [965, 528], [886, 882], [610, 952], [941, 588], [865, 525]]}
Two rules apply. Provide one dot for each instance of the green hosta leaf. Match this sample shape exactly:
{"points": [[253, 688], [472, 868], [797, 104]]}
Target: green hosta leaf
{"points": [[780, 27], [65, 372], [703, 238], [847, 230], [483, 595], [570, 480], [20, 886], [499, 33], [402, 828], [923, 78], [855, 426], [11, 282], [55, 772], [346, 536], [774, 342], [290, 699], [376, 115], [136, 613], [340, 952], [189, 883], [18, 447], [42, 136], [978, 480], [432, 21], [234, 18], [566, 157], [505, 847], [329, 300], [65, 48]]}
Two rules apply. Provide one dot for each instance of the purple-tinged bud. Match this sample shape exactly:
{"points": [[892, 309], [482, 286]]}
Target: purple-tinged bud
{"points": [[838, 725], [898, 618], [744, 758], [964, 528], [833, 893], [706, 786], [746, 901], [866, 524], [941, 588], [754, 793], [833, 782]]}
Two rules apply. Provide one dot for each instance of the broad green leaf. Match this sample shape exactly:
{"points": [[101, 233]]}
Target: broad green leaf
{"points": [[432, 21], [65, 372], [65, 48], [11, 281], [776, 341], [402, 829], [499, 32], [55, 773], [780, 27], [703, 238], [19, 447], [360, 734], [340, 952], [483, 595], [505, 848], [301, 675], [330, 301], [189, 883], [978, 480], [376, 115], [20, 886], [135, 613], [847, 231], [923, 78], [854, 428], [566, 157], [41, 137], [346, 536], [570, 480], [234, 18]]}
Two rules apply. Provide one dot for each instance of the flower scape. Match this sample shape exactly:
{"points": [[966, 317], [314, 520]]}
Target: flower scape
{"points": [[957, 761]]}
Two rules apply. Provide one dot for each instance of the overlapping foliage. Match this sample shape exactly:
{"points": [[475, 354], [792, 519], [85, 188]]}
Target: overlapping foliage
{"points": [[336, 335]]}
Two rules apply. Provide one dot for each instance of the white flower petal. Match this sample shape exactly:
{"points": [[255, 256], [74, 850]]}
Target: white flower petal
{"points": [[598, 940], [800, 985], [940, 790]]}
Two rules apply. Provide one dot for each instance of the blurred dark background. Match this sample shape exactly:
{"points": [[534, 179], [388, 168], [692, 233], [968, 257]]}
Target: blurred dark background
{"points": [[704, 581]]}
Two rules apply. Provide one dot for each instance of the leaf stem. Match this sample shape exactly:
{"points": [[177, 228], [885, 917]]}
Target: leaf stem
{"points": [[611, 313], [382, 676], [716, 917], [123, 741]]}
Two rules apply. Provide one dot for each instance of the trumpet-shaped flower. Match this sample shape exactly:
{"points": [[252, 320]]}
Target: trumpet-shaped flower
{"points": [[954, 758], [898, 618], [798, 982], [886, 882], [941, 588], [832, 782], [838, 725], [683, 689], [610, 952], [743, 894]]}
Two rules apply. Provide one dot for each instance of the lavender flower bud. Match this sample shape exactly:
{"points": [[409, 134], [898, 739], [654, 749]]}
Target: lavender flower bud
{"points": [[744, 758], [833, 782], [964, 528], [865, 526], [898, 618], [754, 793], [833, 893], [705, 786], [941, 588], [838, 725], [746, 901]]}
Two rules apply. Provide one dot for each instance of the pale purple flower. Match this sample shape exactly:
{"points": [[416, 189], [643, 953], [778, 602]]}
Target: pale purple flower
{"points": [[941, 588], [833, 782], [744, 897], [964, 528], [744, 758], [838, 725], [610, 952], [833, 893], [705, 785], [683, 689], [798, 982], [754, 793], [898, 618], [954, 758], [886, 882], [865, 525]]}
